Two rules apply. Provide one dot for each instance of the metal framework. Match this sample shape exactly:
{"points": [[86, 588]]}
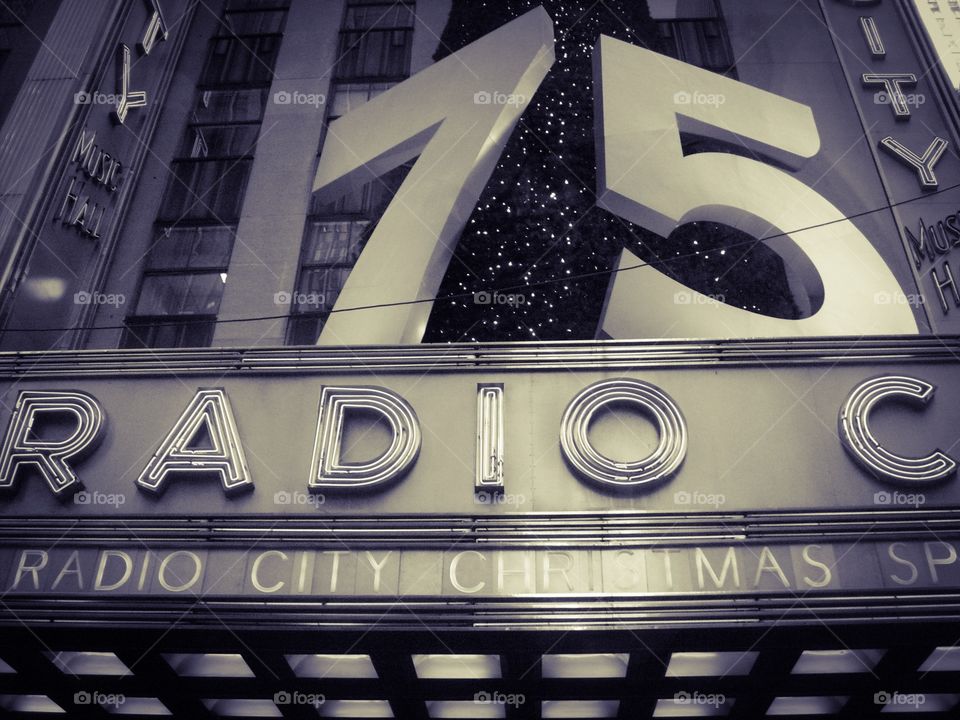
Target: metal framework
{"points": [[613, 354], [263, 650]]}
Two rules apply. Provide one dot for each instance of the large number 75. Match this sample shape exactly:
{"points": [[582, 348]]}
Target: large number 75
{"points": [[456, 115]]}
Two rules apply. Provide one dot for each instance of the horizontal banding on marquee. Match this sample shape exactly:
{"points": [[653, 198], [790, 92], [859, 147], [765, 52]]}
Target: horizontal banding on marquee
{"points": [[661, 464], [205, 439]]}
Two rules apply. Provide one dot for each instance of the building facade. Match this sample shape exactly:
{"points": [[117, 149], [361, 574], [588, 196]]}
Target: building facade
{"points": [[241, 478]]}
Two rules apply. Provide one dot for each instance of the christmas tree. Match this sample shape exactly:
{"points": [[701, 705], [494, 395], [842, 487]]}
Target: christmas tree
{"points": [[536, 228]]}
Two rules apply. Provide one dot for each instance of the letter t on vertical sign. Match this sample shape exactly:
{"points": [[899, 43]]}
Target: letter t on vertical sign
{"points": [[456, 115], [489, 477], [893, 84]]}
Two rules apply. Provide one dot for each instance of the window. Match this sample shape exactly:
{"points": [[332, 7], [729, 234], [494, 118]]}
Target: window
{"points": [[15, 12], [161, 332], [368, 201], [241, 61], [13, 15], [378, 16], [697, 35], [254, 23], [375, 42], [201, 141], [329, 251], [186, 269], [350, 96], [374, 55], [181, 288], [256, 5], [230, 106], [334, 236], [205, 190]]}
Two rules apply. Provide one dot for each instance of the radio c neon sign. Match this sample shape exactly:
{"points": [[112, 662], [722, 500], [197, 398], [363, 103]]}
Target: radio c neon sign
{"points": [[209, 415]]}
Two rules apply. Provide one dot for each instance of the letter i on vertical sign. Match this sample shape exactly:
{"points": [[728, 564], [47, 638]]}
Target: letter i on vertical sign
{"points": [[872, 35]]}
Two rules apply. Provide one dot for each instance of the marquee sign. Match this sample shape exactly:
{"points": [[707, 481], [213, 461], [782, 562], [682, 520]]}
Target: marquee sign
{"points": [[480, 572], [596, 427], [483, 442]]}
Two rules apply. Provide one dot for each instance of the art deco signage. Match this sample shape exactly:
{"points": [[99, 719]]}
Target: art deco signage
{"points": [[483, 444], [543, 440], [644, 175], [278, 572], [863, 437], [112, 120], [903, 116], [803, 427], [102, 169]]}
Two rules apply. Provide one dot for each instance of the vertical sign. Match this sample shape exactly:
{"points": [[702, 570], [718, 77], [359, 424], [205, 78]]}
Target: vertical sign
{"points": [[913, 140], [58, 280]]}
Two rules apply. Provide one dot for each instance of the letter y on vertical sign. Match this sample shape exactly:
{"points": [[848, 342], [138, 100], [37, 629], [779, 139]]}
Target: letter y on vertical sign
{"points": [[644, 101], [456, 115], [127, 98]]}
